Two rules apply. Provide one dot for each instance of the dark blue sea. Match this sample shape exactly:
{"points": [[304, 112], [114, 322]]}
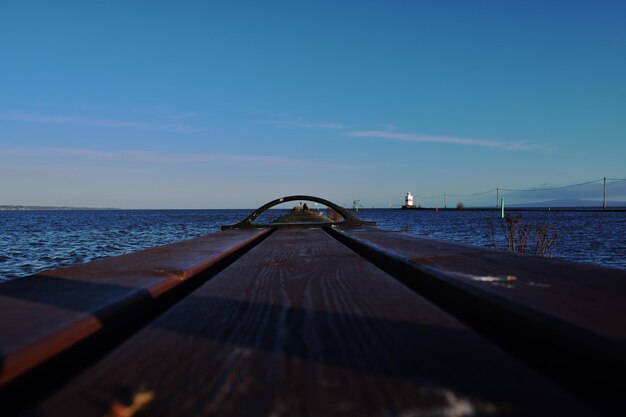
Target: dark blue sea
{"points": [[33, 241]]}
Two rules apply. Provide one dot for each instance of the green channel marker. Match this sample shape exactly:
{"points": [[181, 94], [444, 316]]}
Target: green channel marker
{"points": [[502, 208]]}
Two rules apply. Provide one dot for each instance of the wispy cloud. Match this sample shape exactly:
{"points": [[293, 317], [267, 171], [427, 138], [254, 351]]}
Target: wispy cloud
{"points": [[138, 156], [96, 122], [390, 132], [415, 137]]}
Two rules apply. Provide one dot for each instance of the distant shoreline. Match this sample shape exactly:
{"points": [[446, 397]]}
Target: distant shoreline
{"points": [[507, 209], [49, 208]]}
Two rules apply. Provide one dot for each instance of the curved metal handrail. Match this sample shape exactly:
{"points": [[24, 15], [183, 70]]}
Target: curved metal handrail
{"points": [[348, 219]]}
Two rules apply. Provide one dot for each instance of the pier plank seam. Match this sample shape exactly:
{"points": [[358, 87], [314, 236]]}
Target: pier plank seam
{"points": [[56, 323], [507, 298], [301, 325]]}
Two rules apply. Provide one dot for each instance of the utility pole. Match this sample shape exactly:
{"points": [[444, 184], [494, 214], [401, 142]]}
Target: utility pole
{"points": [[604, 196], [497, 197]]}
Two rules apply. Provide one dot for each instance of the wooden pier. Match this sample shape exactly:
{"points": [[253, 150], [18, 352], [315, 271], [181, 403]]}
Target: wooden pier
{"points": [[314, 318]]}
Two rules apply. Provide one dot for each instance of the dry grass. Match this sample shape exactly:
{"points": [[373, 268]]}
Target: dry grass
{"points": [[539, 239]]}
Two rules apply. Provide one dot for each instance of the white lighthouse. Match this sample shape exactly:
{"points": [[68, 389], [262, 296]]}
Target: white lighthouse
{"points": [[408, 201]]}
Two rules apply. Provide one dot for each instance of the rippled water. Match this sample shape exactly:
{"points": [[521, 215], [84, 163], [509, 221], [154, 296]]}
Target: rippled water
{"points": [[592, 237], [32, 241]]}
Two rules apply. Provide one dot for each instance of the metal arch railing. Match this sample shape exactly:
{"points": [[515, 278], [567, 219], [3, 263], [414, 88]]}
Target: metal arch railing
{"points": [[348, 219]]}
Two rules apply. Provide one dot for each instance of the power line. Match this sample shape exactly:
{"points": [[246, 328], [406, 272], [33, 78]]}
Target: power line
{"points": [[429, 196], [444, 195], [555, 188], [471, 195]]}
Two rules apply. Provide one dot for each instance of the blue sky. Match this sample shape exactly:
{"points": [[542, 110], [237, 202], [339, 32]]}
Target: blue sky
{"points": [[194, 104]]}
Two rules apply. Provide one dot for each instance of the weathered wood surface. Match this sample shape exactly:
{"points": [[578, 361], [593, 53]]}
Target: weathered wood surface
{"points": [[48, 313], [567, 319], [301, 325]]}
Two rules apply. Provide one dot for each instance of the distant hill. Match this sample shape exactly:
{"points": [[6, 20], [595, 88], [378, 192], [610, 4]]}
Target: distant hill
{"points": [[20, 207], [569, 202]]}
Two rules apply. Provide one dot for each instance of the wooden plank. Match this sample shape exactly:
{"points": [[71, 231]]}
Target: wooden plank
{"points": [[301, 325], [46, 314], [578, 311]]}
